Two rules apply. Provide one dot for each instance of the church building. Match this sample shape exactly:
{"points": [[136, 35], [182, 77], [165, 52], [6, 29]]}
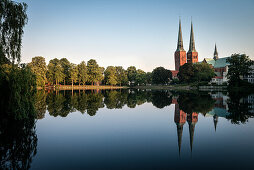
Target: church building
{"points": [[180, 54]]}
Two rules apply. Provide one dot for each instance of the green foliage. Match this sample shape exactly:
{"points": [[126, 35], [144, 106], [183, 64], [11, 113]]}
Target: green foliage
{"points": [[66, 65], [82, 73], [39, 68], [160, 75], [74, 73], [17, 86], [132, 73], [203, 72], [197, 72], [186, 73], [240, 65], [121, 76], [140, 77], [13, 18], [110, 75], [55, 72], [94, 71], [149, 77]]}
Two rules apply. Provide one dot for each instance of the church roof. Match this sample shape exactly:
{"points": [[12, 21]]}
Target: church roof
{"points": [[220, 62]]}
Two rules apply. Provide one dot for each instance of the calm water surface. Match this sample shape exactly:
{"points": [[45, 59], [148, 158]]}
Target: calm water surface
{"points": [[135, 129]]}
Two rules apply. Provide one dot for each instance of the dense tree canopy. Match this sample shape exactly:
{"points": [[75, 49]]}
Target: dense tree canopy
{"points": [[160, 75], [39, 68], [240, 65], [82, 73], [186, 73], [121, 75], [110, 75], [132, 73], [94, 71]]}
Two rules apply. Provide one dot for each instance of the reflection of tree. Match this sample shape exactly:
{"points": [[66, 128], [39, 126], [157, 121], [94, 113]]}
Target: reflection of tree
{"points": [[195, 102], [238, 107], [40, 104], [82, 102], [160, 99], [115, 99], [94, 102], [58, 104]]}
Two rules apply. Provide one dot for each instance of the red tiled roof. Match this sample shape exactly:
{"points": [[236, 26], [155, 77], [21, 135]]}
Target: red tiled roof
{"points": [[174, 73]]}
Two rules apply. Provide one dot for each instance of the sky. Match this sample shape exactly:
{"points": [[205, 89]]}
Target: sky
{"points": [[142, 33]]}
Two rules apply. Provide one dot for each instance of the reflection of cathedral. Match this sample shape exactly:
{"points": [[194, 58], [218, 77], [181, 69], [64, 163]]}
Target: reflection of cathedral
{"points": [[180, 119]]}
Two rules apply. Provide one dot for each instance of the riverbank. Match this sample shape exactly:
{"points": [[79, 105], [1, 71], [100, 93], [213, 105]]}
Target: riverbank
{"points": [[85, 87], [167, 87]]}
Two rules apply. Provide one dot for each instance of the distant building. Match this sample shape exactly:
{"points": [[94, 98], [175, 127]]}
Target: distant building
{"points": [[250, 78], [220, 66]]}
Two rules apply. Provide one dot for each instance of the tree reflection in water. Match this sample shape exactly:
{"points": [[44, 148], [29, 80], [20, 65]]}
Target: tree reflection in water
{"points": [[18, 143]]}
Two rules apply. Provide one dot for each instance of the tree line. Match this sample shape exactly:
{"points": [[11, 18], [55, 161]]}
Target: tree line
{"points": [[66, 73]]}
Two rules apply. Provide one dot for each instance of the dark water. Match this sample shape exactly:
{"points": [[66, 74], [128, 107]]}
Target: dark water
{"points": [[135, 129]]}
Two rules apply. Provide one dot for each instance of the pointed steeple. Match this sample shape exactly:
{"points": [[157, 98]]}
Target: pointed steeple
{"points": [[215, 54], [215, 121], [191, 131], [180, 38], [179, 135], [192, 42]]}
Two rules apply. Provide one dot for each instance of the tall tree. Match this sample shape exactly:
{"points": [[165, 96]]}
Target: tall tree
{"points": [[73, 73], [110, 75], [160, 75], [82, 73], [55, 71], [13, 18], [39, 68], [240, 65], [132, 73], [121, 76], [141, 77], [66, 65], [149, 77], [94, 71]]}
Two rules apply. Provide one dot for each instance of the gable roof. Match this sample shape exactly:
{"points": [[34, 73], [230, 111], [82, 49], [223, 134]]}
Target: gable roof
{"points": [[220, 62]]}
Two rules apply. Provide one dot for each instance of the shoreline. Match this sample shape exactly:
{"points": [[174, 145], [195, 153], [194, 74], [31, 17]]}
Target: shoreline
{"points": [[85, 87]]}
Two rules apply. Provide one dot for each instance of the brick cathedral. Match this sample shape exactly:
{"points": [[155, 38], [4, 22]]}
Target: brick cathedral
{"points": [[180, 54]]}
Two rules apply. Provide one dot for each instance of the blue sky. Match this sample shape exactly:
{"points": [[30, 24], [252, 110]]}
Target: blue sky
{"points": [[142, 33]]}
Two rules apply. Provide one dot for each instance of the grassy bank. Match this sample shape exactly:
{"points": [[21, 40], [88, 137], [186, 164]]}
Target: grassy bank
{"points": [[86, 87]]}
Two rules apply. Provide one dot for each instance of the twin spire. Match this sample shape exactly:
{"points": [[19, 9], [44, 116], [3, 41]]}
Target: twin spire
{"points": [[180, 39]]}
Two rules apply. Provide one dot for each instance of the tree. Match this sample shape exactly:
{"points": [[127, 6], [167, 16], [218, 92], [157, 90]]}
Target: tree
{"points": [[94, 72], [203, 72], [110, 75], [239, 65], [13, 18], [73, 73], [121, 76], [66, 65], [161, 75], [82, 73], [132, 73], [39, 68], [55, 71], [149, 76], [186, 73], [141, 77]]}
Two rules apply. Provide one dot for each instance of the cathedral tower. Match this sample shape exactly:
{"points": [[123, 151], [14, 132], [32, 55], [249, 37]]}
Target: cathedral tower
{"points": [[180, 53], [192, 55], [180, 119]]}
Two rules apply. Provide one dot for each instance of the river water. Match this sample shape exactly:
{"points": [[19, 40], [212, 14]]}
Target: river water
{"points": [[139, 129]]}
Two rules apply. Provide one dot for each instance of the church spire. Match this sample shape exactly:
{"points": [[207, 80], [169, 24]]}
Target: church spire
{"points": [[215, 54], [191, 131], [192, 42], [180, 38], [179, 135], [215, 121]]}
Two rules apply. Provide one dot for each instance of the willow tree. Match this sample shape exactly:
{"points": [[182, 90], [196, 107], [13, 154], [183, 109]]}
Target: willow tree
{"points": [[13, 18]]}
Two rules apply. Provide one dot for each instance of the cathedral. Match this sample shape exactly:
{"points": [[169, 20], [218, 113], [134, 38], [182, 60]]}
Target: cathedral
{"points": [[180, 54]]}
